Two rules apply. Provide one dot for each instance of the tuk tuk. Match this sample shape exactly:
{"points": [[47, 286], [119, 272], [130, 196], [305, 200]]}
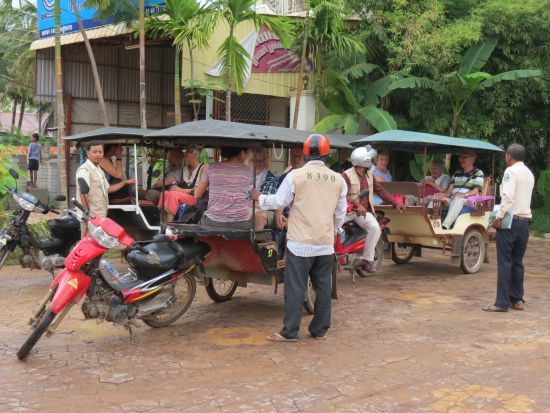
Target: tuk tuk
{"points": [[237, 256], [139, 217], [420, 226]]}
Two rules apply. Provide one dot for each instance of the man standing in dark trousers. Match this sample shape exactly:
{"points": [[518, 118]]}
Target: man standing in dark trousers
{"points": [[516, 190], [317, 199]]}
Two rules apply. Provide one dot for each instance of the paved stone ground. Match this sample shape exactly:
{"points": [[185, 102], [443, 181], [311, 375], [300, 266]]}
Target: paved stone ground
{"points": [[410, 339]]}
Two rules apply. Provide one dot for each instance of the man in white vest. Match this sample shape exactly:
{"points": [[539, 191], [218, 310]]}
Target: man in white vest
{"points": [[361, 188], [317, 199], [97, 200]]}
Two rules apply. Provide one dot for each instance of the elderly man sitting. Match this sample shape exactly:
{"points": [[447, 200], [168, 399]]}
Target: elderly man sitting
{"points": [[432, 184], [466, 182], [266, 183]]}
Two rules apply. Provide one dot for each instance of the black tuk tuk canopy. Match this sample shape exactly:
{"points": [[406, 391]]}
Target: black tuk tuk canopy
{"points": [[223, 133], [111, 134]]}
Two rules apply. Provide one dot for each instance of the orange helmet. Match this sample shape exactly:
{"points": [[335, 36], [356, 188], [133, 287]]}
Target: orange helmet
{"points": [[316, 146]]}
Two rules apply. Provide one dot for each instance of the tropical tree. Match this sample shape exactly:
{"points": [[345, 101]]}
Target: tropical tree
{"points": [[189, 24], [232, 55], [59, 108], [458, 86], [18, 30], [352, 96], [97, 81], [127, 11], [328, 35]]}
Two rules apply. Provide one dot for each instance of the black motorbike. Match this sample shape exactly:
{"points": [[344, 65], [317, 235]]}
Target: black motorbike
{"points": [[46, 252]]}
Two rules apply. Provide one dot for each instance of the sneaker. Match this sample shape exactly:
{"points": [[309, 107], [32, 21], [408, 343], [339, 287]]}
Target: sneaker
{"points": [[518, 305]]}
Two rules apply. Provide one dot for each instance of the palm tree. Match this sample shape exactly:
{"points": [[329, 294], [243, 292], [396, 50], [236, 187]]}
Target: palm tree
{"points": [[459, 86], [127, 11], [59, 109], [328, 35], [189, 24], [97, 81], [232, 55]]}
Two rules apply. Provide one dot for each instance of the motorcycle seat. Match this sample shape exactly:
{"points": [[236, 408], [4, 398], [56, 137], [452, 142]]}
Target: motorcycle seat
{"points": [[66, 222], [161, 257]]}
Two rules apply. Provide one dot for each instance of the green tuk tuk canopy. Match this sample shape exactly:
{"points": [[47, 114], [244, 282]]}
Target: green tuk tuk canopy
{"points": [[417, 141]]}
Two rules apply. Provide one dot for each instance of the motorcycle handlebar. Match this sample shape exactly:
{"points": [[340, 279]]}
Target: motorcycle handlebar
{"points": [[78, 205], [55, 211]]}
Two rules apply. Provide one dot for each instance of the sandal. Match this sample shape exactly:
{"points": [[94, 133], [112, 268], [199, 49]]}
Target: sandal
{"points": [[276, 337], [518, 305], [494, 309]]}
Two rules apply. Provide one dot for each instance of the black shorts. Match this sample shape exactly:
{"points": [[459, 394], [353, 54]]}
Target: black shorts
{"points": [[33, 165]]}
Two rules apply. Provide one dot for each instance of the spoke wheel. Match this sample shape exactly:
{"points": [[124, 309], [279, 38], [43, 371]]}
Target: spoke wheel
{"points": [[183, 292], [473, 251], [35, 333], [220, 290], [401, 253], [309, 302]]}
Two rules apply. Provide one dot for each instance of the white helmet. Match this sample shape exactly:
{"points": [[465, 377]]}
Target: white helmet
{"points": [[363, 156]]}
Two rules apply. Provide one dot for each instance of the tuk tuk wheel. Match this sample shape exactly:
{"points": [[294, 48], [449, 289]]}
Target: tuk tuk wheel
{"points": [[220, 290], [309, 302], [401, 253], [473, 251]]}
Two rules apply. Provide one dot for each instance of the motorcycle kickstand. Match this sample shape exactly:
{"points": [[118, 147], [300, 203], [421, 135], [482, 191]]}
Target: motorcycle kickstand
{"points": [[128, 326]]}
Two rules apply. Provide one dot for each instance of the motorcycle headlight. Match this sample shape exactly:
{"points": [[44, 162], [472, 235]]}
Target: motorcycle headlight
{"points": [[104, 239], [23, 203]]}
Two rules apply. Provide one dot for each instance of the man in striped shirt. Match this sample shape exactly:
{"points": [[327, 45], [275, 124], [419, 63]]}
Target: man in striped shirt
{"points": [[466, 182]]}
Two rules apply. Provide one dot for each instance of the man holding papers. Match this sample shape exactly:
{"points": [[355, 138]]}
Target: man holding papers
{"points": [[516, 190]]}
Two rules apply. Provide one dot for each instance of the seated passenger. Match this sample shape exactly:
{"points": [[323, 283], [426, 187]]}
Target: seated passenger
{"points": [[466, 182], [297, 160], [266, 183], [436, 182], [174, 175], [229, 183], [182, 192], [114, 175], [380, 172], [361, 189]]}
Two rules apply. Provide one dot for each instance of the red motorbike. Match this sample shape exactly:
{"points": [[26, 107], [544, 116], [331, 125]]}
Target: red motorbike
{"points": [[351, 243], [158, 287]]}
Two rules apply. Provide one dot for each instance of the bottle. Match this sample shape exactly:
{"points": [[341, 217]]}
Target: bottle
{"points": [[109, 273]]}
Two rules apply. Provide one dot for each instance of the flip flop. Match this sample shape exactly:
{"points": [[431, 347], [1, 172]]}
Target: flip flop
{"points": [[276, 337], [494, 309], [518, 305]]}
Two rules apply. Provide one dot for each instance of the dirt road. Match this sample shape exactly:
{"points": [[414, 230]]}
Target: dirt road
{"points": [[410, 339]]}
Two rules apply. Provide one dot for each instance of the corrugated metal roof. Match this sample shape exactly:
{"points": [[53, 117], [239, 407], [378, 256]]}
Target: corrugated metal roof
{"points": [[105, 31]]}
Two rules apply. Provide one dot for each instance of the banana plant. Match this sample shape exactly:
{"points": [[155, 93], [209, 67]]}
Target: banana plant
{"points": [[459, 85], [352, 97]]}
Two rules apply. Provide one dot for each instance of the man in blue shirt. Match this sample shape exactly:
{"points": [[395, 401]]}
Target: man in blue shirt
{"points": [[34, 156]]}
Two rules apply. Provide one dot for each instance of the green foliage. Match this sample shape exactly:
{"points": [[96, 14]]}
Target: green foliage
{"points": [[543, 186], [541, 221], [416, 165]]}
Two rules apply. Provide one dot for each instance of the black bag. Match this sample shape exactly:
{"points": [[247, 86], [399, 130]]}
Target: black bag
{"points": [[193, 214]]}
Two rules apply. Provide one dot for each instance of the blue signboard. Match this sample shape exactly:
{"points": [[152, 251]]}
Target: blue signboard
{"points": [[69, 24]]}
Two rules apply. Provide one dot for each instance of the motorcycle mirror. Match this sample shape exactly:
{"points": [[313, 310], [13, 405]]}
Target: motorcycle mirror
{"points": [[60, 198], [83, 185], [14, 173]]}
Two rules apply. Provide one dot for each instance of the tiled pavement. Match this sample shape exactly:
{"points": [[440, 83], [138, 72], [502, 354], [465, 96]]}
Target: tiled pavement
{"points": [[410, 339]]}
